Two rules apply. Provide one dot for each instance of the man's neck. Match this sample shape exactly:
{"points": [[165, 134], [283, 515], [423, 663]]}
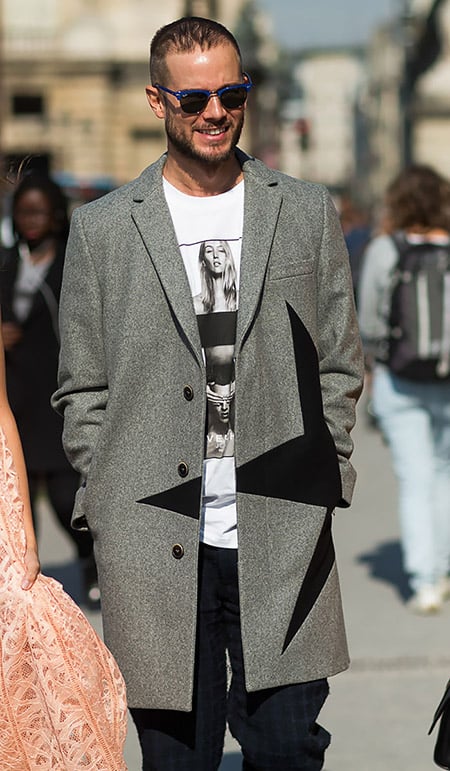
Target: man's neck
{"points": [[202, 179]]}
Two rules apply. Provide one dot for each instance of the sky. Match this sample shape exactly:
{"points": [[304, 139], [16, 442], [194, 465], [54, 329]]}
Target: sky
{"points": [[308, 23]]}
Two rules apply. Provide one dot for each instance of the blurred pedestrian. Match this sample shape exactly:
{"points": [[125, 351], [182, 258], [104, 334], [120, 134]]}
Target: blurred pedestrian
{"points": [[30, 284], [357, 232], [174, 529], [411, 395]]}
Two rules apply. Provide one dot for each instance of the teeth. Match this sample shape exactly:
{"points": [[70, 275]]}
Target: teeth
{"points": [[213, 132]]}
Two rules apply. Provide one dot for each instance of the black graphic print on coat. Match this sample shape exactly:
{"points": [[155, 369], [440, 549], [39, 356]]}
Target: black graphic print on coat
{"points": [[304, 469], [315, 578]]}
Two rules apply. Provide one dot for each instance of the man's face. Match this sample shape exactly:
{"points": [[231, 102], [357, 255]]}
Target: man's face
{"points": [[212, 135]]}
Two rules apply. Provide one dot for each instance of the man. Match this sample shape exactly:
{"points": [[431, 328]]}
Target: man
{"points": [[173, 530]]}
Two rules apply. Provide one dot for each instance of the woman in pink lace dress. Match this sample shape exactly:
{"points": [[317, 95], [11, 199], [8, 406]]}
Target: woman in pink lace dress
{"points": [[62, 697]]}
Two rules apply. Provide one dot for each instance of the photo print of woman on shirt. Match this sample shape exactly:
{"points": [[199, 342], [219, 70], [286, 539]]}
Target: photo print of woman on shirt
{"points": [[209, 233], [216, 307]]}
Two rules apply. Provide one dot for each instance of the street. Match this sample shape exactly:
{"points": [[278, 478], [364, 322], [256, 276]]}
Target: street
{"points": [[380, 710]]}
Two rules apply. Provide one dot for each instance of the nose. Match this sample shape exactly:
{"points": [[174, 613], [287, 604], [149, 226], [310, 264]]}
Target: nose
{"points": [[214, 109], [33, 215]]}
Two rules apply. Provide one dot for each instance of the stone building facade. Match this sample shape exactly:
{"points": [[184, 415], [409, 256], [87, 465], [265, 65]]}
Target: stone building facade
{"points": [[318, 131], [73, 79], [431, 106], [406, 99]]}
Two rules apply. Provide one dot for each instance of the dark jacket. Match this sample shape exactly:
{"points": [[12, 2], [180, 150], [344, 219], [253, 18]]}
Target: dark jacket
{"points": [[31, 366]]}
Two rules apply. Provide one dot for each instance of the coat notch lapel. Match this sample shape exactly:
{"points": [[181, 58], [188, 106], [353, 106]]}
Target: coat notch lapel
{"points": [[152, 218], [261, 209]]}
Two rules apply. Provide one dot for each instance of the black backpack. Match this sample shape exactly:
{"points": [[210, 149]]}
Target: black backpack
{"points": [[419, 315]]}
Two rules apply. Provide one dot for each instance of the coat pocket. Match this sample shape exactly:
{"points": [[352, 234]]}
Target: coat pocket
{"points": [[283, 268]]}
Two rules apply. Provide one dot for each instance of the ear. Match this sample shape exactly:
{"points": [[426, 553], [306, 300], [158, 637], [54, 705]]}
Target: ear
{"points": [[156, 102]]}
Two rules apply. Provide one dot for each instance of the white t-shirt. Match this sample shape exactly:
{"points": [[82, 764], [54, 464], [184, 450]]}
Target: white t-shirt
{"points": [[209, 234]]}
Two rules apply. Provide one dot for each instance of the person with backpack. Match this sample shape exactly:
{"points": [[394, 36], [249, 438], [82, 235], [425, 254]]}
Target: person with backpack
{"points": [[404, 314]]}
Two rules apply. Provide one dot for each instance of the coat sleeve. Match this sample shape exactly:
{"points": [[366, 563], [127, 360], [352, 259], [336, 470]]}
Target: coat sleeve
{"points": [[340, 352], [82, 393]]}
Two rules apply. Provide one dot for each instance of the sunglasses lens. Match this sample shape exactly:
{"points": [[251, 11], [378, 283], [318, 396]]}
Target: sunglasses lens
{"points": [[233, 98], [194, 102]]}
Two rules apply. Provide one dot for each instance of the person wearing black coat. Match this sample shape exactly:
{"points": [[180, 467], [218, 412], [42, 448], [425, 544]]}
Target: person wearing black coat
{"points": [[30, 283]]}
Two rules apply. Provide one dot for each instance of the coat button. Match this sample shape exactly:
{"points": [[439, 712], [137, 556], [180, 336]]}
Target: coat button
{"points": [[183, 469], [188, 393], [177, 551]]}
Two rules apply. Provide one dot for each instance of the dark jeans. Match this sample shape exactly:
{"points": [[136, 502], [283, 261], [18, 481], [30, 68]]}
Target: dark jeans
{"points": [[275, 728]]}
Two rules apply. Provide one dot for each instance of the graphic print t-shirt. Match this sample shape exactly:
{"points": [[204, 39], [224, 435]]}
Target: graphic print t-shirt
{"points": [[209, 234]]}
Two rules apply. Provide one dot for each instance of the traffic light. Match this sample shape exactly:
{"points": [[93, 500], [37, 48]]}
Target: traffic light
{"points": [[303, 130]]}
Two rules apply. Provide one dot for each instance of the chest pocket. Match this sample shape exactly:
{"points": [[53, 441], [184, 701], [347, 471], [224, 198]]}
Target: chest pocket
{"points": [[282, 268]]}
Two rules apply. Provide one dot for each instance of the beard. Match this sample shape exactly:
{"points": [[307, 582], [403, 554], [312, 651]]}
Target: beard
{"points": [[185, 145]]}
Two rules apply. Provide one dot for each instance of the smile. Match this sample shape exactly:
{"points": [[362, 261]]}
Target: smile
{"points": [[215, 132]]}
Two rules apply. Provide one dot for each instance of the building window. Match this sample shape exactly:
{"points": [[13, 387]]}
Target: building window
{"points": [[28, 105], [143, 134]]}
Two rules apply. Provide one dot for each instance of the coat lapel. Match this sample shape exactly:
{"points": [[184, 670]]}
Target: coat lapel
{"points": [[261, 209], [152, 218]]}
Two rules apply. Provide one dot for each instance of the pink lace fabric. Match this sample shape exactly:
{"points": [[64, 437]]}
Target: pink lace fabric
{"points": [[62, 697]]}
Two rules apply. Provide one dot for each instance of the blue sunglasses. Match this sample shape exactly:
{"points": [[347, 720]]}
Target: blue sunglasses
{"points": [[193, 101]]}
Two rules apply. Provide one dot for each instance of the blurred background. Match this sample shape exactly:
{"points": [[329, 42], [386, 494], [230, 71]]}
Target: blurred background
{"points": [[346, 95]]}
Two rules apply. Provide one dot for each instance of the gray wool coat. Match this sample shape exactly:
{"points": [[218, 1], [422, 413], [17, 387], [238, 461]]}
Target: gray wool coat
{"points": [[132, 392]]}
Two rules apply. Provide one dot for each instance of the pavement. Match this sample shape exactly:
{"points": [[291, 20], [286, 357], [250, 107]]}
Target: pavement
{"points": [[379, 711]]}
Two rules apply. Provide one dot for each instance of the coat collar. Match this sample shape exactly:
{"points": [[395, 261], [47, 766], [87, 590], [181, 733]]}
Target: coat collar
{"points": [[151, 215]]}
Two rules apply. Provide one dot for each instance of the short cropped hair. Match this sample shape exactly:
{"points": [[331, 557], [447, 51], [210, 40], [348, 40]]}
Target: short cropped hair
{"points": [[184, 36], [418, 196]]}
